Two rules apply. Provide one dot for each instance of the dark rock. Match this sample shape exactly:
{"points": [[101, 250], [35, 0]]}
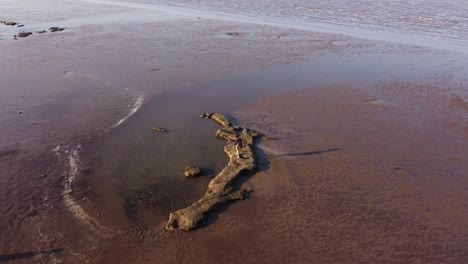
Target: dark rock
{"points": [[24, 34], [192, 171], [41, 31], [55, 29]]}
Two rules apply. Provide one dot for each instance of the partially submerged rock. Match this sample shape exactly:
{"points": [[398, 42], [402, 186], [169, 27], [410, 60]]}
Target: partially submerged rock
{"points": [[192, 171], [221, 188]]}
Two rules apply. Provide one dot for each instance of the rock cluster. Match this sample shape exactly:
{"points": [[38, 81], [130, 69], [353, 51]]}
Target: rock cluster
{"points": [[26, 34], [221, 188]]}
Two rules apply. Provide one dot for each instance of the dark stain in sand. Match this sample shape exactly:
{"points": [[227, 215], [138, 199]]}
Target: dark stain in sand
{"points": [[460, 103], [233, 34], [23, 255], [8, 152]]}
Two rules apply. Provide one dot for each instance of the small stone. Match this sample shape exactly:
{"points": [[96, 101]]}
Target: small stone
{"points": [[192, 171], [20, 26], [41, 31], [20, 113], [11, 23], [158, 129]]}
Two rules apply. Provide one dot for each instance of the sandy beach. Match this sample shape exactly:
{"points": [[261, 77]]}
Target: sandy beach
{"points": [[369, 119]]}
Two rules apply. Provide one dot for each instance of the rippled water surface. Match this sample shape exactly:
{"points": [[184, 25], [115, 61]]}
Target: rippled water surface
{"points": [[442, 20]]}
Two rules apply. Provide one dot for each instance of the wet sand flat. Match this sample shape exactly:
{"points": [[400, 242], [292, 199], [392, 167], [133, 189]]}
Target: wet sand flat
{"points": [[369, 165]]}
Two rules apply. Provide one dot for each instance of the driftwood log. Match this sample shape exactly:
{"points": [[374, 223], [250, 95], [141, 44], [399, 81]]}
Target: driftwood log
{"points": [[221, 188]]}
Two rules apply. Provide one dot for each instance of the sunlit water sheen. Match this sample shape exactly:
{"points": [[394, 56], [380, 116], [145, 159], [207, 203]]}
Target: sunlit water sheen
{"points": [[135, 175]]}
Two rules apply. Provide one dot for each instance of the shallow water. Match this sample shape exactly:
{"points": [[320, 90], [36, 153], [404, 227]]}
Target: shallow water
{"points": [[136, 174], [433, 23]]}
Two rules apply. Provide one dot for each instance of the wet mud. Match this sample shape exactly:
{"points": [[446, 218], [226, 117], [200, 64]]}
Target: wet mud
{"points": [[369, 165]]}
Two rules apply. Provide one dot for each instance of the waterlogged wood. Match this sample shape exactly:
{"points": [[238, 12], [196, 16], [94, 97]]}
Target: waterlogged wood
{"points": [[220, 189]]}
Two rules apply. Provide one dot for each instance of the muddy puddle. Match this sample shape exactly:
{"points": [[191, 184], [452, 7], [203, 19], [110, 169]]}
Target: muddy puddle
{"points": [[134, 176]]}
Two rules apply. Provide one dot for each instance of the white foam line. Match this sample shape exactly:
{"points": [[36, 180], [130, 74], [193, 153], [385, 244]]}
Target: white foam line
{"points": [[330, 28], [70, 203], [136, 106]]}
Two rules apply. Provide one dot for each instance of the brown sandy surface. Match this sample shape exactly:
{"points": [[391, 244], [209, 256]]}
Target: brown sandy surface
{"points": [[351, 179], [356, 177], [373, 181]]}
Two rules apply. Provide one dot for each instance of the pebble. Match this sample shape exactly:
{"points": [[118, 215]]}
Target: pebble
{"points": [[158, 129]]}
